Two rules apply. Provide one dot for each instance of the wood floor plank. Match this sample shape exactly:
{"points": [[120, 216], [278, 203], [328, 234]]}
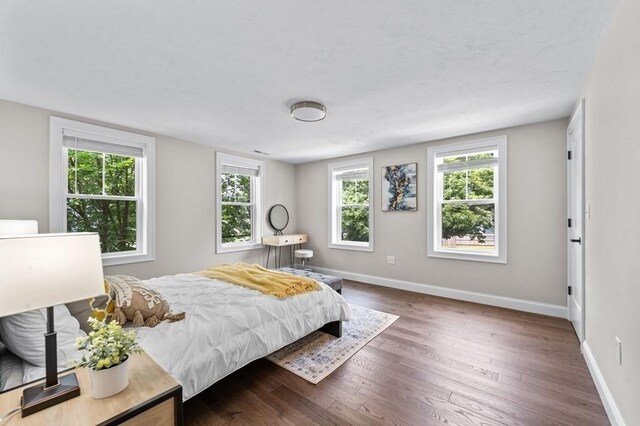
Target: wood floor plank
{"points": [[309, 408], [514, 393], [353, 417], [419, 351], [197, 413], [442, 362], [587, 403]]}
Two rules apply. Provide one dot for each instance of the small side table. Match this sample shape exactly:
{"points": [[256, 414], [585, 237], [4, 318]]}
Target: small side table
{"points": [[279, 241], [153, 397]]}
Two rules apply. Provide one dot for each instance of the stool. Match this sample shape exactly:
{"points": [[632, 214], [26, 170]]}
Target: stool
{"points": [[333, 282], [305, 255]]}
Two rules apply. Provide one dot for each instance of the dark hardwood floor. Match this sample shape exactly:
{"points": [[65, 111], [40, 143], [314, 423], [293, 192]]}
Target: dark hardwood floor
{"points": [[442, 362]]}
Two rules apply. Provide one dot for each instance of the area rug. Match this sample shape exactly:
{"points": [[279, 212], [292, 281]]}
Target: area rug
{"points": [[317, 355]]}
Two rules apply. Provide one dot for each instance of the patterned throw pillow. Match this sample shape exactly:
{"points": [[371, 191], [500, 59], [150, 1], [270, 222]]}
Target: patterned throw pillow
{"points": [[100, 307], [137, 303]]}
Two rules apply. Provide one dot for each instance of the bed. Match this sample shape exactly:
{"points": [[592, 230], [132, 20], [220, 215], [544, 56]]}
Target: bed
{"points": [[226, 327]]}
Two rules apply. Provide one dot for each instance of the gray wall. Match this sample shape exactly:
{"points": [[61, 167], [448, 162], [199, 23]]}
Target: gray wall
{"points": [[612, 96], [536, 269], [185, 192]]}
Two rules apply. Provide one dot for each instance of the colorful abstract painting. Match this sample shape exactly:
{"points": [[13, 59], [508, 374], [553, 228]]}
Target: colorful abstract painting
{"points": [[399, 187]]}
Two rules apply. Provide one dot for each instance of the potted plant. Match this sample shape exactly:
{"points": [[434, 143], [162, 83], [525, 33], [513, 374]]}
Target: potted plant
{"points": [[106, 352]]}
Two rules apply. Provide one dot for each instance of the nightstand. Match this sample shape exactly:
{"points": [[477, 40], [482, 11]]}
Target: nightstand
{"points": [[153, 397]]}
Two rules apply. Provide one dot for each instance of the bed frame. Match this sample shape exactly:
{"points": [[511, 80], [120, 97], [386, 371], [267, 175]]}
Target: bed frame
{"points": [[334, 328]]}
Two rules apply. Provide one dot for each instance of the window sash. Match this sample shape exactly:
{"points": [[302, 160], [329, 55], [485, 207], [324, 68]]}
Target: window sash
{"points": [[441, 183], [477, 202], [338, 173], [228, 169], [339, 223], [353, 205], [234, 203], [236, 165], [103, 197], [137, 171], [138, 197], [65, 134], [437, 202]]}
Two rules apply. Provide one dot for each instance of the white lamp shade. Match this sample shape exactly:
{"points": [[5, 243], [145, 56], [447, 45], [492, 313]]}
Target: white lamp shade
{"points": [[37, 271], [18, 227]]}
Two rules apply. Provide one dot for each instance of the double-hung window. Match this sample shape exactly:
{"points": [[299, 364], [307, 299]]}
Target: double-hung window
{"points": [[350, 201], [239, 203], [102, 180], [468, 200]]}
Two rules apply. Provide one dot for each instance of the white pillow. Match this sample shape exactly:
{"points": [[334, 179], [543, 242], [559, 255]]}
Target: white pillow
{"points": [[23, 334], [31, 372], [10, 369]]}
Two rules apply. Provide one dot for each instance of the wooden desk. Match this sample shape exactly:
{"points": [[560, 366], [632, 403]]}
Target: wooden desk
{"points": [[152, 398], [279, 241]]}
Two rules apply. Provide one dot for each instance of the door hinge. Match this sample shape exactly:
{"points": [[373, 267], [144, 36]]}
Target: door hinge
{"points": [[569, 223], [569, 290], [568, 155]]}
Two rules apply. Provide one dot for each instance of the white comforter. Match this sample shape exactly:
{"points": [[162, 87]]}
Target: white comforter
{"points": [[227, 326]]}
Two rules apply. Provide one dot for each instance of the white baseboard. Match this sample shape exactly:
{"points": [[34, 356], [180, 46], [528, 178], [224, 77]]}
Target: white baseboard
{"points": [[615, 417], [469, 296]]}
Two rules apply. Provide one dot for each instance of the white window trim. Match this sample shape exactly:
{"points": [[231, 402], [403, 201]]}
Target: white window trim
{"points": [[433, 231], [257, 195], [145, 179], [334, 242]]}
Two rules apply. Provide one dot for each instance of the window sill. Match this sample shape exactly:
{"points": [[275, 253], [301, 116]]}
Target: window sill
{"points": [[352, 246], [123, 259], [230, 248], [474, 257]]}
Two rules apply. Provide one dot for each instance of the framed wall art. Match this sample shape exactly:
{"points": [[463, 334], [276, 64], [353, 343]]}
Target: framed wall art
{"points": [[400, 187]]}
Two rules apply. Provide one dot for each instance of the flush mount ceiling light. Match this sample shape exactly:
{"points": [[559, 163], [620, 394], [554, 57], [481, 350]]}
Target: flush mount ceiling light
{"points": [[308, 111]]}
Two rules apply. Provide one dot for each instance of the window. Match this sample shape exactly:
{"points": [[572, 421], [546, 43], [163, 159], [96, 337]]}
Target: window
{"points": [[468, 200], [239, 203], [350, 198], [102, 180]]}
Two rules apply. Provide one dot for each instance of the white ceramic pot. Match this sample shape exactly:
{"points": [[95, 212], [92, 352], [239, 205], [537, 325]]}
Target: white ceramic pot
{"points": [[110, 381]]}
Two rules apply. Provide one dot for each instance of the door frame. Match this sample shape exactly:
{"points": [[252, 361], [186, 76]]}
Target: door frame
{"points": [[577, 119]]}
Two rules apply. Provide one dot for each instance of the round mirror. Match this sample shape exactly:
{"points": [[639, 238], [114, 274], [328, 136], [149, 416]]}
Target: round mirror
{"points": [[278, 217]]}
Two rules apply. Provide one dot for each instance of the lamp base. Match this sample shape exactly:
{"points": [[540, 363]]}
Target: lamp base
{"points": [[37, 398]]}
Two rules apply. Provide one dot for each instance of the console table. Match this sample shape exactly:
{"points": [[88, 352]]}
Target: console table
{"points": [[279, 241]]}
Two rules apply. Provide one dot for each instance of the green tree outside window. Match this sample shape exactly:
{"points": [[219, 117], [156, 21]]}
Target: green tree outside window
{"points": [[468, 208], [236, 208], [101, 197], [354, 210]]}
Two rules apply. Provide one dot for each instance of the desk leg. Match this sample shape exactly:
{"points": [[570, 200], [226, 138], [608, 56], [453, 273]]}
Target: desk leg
{"points": [[291, 256], [266, 265]]}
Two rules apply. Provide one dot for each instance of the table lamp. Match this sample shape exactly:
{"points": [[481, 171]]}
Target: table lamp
{"points": [[41, 271]]}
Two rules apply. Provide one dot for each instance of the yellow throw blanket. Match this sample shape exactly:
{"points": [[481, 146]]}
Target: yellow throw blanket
{"points": [[274, 283]]}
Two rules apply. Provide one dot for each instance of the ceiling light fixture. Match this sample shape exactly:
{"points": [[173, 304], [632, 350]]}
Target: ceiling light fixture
{"points": [[308, 111]]}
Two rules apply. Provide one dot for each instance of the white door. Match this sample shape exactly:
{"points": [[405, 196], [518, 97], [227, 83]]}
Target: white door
{"points": [[575, 234]]}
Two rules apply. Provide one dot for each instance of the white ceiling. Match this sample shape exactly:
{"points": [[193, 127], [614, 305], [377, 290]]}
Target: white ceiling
{"points": [[224, 73]]}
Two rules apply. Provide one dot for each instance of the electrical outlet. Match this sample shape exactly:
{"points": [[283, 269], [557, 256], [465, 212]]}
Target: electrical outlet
{"points": [[619, 350], [391, 260]]}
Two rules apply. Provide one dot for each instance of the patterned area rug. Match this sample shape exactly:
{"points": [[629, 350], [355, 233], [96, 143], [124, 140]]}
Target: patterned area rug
{"points": [[317, 355]]}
